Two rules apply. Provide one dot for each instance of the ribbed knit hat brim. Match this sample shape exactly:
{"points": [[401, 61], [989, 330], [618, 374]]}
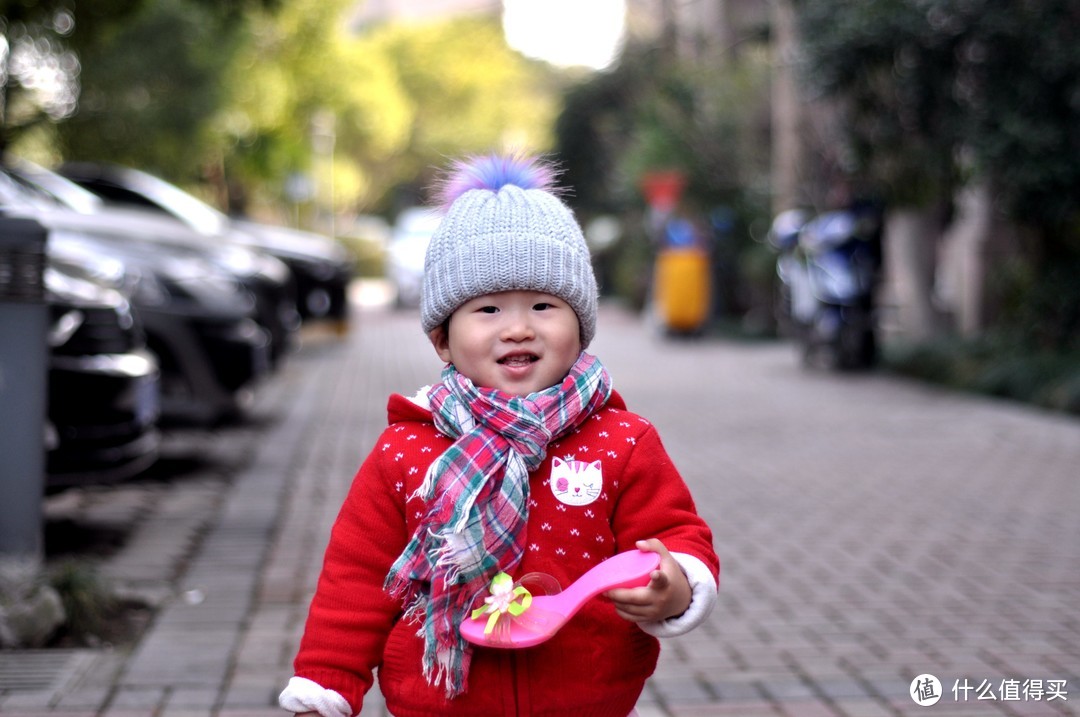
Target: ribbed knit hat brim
{"points": [[507, 240]]}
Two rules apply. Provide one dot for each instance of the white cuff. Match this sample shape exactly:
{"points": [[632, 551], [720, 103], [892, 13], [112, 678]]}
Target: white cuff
{"points": [[702, 600], [303, 695]]}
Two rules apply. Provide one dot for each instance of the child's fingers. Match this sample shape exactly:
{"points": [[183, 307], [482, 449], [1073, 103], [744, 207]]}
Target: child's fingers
{"points": [[636, 604], [643, 596], [636, 600], [630, 596], [653, 545]]}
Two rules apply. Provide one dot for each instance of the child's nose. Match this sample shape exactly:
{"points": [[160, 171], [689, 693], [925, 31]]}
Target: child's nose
{"points": [[517, 327]]}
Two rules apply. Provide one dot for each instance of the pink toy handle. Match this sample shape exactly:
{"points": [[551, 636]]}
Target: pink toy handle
{"points": [[630, 569]]}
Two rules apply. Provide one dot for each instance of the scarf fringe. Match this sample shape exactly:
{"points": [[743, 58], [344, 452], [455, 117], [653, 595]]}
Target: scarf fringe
{"points": [[457, 557], [427, 487], [441, 669]]}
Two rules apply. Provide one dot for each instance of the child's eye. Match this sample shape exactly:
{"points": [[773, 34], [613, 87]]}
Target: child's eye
{"points": [[489, 309], [542, 306]]}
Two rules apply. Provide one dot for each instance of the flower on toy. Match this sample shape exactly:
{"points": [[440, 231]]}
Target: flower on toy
{"points": [[505, 599]]}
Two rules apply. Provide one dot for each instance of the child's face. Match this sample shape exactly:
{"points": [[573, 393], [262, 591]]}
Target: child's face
{"points": [[519, 342]]}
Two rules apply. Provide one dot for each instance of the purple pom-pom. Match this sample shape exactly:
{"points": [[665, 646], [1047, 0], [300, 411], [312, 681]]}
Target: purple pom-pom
{"points": [[492, 172]]}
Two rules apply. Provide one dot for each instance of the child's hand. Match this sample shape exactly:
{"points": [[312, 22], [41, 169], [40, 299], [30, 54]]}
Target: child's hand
{"points": [[667, 594]]}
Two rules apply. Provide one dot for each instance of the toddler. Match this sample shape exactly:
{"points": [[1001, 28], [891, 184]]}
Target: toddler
{"points": [[521, 460]]}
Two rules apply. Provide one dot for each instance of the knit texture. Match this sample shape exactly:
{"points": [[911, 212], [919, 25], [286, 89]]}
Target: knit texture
{"points": [[478, 492], [504, 230]]}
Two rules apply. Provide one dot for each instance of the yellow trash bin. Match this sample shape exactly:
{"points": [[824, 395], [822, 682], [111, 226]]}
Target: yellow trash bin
{"points": [[681, 288]]}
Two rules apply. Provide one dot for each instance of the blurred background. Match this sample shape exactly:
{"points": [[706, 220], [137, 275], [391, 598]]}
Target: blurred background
{"points": [[955, 119], [889, 184]]}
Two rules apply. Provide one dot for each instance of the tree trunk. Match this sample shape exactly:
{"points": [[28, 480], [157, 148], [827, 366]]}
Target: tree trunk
{"points": [[911, 238], [787, 145], [977, 241]]}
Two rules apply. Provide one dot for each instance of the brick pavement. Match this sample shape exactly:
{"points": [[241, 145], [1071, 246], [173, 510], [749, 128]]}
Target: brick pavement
{"points": [[870, 529]]}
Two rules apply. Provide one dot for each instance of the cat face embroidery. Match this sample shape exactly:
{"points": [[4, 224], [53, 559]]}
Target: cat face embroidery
{"points": [[576, 482]]}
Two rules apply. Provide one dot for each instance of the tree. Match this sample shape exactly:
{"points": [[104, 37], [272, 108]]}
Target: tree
{"points": [[401, 98], [38, 72], [149, 87], [305, 101], [249, 95], [468, 92], [118, 69], [935, 95]]}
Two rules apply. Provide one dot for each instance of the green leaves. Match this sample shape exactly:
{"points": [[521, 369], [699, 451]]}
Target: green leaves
{"points": [[260, 90], [933, 90]]}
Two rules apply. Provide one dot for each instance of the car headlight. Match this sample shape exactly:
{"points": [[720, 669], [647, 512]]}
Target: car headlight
{"points": [[236, 260]]}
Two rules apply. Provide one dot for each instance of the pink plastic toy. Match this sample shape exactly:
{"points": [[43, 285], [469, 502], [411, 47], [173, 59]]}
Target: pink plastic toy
{"points": [[512, 617]]}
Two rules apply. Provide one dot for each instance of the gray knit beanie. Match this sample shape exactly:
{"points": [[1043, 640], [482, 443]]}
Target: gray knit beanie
{"points": [[504, 229]]}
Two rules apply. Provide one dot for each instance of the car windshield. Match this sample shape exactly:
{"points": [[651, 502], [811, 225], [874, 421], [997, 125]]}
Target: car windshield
{"points": [[61, 189], [16, 192], [196, 213]]}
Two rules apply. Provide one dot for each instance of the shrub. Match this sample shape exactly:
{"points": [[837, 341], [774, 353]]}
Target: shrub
{"points": [[995, 366]]}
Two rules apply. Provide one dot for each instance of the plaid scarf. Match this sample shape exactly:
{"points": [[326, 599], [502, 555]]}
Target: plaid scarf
{"points": [[477, 495]]}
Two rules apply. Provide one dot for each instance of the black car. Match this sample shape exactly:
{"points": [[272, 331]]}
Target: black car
{"points": [[321, 266], [267, 278], [199, 321], [103, 383]]}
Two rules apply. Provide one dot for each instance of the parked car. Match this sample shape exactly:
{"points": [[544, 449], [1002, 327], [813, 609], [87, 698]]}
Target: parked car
{"points": [[103, 383], [199, 321], [321, 266], [267, 278], [405, 254]]}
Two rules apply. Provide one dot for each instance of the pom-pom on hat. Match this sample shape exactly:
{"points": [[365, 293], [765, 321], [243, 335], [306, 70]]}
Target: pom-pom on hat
{"points": [[505, 229]]}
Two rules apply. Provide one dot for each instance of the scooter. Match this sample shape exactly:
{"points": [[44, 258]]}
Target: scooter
{"points": [[828, 267]]}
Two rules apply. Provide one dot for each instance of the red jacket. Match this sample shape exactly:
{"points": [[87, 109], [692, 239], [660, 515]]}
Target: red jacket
{"points": [[596, 665]]}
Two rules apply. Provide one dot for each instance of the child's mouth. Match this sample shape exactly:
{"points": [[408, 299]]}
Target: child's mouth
{"points": [[518, 360]]}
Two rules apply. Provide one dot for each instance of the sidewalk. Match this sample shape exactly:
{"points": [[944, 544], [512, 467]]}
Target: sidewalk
{"points": [[870, 530]]}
